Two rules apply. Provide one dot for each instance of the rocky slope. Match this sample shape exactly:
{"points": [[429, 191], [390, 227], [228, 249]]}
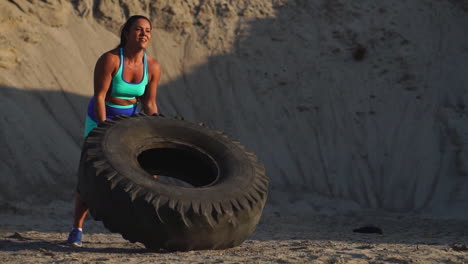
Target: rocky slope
{"points": [[357, 101]]}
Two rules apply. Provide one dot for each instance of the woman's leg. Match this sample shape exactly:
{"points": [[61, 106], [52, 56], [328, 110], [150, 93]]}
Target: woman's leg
{"points": [[76, 234], [81, 210]]}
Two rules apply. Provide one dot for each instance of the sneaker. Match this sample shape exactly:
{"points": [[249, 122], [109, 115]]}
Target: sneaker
{"points": [[74, 239]]}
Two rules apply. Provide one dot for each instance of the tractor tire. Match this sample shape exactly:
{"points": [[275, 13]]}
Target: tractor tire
{"points": [[217, 205]]}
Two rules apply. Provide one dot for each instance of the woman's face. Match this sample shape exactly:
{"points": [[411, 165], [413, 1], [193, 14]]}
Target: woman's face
{"points": [[139, 33]]}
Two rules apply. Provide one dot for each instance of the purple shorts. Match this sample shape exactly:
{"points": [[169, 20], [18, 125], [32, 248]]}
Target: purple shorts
{"points": [[112, 110]]}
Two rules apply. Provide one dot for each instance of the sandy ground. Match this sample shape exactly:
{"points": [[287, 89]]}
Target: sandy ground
{"points": [[285, 235]]}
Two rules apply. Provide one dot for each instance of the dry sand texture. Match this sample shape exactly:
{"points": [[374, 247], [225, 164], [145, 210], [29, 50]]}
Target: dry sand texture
{"points": [[286, 234], [363, 102]]}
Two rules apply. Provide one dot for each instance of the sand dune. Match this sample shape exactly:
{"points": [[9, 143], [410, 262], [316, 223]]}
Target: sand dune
{"points": [[363, 102]]}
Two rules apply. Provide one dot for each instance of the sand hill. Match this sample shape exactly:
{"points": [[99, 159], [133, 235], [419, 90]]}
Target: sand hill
{"points": [[364, 102]]}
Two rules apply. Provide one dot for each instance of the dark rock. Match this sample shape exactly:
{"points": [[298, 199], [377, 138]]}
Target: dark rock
{"points": [[459, 247], [369, 229]]}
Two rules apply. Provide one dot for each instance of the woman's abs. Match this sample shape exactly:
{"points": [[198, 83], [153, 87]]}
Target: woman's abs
{"points": [[120, 101]]}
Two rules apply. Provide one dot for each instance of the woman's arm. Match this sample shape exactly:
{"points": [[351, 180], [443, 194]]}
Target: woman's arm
{"points": [[149, 97], [103, 72]]}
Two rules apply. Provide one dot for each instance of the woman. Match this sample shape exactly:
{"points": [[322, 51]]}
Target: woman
{"points": [[120, 76]]}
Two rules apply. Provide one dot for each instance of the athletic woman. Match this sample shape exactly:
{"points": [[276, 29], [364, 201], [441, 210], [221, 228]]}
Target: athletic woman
{"points": [[121, 76]]}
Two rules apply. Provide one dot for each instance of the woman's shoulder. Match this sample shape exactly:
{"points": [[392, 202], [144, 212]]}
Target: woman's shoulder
{"points": [[108, 62], [153, 64], [110, 56]]}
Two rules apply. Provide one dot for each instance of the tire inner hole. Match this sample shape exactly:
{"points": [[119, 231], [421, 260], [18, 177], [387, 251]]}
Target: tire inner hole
{"points": [[179, 165]]}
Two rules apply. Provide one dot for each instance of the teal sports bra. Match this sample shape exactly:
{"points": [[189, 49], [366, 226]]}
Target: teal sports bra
{"points": [[126, 90]]}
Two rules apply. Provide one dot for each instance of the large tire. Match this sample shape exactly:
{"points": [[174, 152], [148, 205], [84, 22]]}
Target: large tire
{"points": [[221, 208]]}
